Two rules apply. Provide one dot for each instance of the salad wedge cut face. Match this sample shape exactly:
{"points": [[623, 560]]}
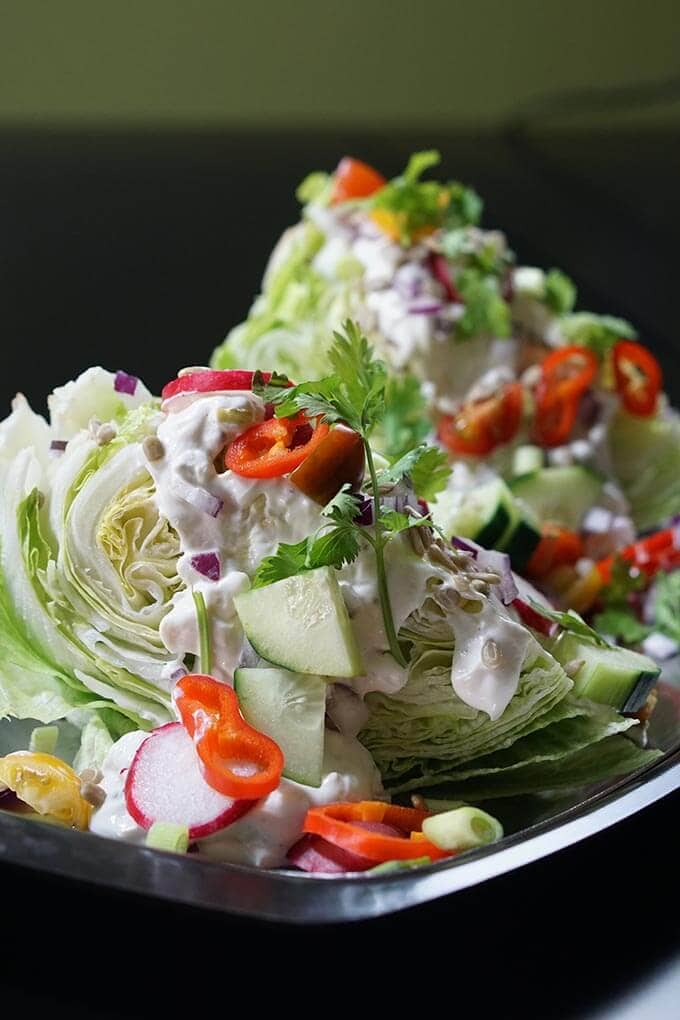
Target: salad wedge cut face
{"points": [[250, 633]]}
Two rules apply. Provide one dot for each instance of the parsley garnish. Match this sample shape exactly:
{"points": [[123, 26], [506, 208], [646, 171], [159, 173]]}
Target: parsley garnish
{"points": [[572, 622], [406, 421], [598, 332], [560, 292], [417, 205], [485, 309], [353, 394]]}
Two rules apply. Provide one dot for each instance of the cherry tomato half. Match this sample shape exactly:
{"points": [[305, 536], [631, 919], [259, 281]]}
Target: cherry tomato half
{"points": [[335, 460], [557, 547], [354, 179], [275, 447], [482, 425], [638, 377]]}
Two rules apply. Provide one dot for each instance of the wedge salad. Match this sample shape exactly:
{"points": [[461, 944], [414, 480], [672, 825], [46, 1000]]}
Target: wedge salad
{"points": [[565, 451], [232, 624]]}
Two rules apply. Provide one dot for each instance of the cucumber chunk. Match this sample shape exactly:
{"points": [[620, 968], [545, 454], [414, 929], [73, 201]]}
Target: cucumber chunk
{"points": [[483, 514], [526, 460], [612, 676], [301, 623], [291, 709], [559, 494], [521, 543]]}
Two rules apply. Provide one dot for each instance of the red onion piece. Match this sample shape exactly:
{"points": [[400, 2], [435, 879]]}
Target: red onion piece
{"points": [[317, 855], [439, 268], [124, 383], [207, 564], [425, 308], [491, 559], [178, 674], [365, 514], [382, 828], [58, 445], [410, 280], [465, 546]]}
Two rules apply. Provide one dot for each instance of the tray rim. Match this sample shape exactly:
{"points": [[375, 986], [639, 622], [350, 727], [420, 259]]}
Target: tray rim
{"points": [[294, 898]]}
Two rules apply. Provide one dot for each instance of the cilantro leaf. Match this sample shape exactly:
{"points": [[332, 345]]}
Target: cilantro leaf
{"points": [[667, 604], [344, 505], [431, 472], [485, 309], [416, 205], [572, 622], [287, 561], [621, 622], [405, 422], [314, 188], [560, 292], [427, 467]]}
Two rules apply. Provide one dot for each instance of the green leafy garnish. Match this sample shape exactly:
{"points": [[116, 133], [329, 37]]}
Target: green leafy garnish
{"points": [[417, 205], [353, 394], [313, 188], [619, 621], [597, 332], [485, 309], [406, 421], [570, 621], [560, 292], [427, 466]]}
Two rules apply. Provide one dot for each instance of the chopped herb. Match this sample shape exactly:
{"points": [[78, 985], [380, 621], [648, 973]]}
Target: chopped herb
{"points": [[667, 604], [427, 466], [560, 292], [597, 332], [203, 632], [620, 621], [485, 309], [570, 621], [406, 421]]}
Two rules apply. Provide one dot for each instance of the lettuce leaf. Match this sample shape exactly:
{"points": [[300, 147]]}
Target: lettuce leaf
{"points": [[645, 456]]}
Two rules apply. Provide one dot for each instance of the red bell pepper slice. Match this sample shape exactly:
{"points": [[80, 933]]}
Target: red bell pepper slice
{"points": [[354, 179], [236, 759], [558, 546], [275, 447], [482, 425], [659, 551], [345, 826], [638, 378]]}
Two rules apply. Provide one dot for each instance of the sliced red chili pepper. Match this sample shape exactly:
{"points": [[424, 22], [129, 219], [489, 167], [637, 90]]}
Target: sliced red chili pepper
{"points": [[344, 825], [557, 547], [638, 378], [566, 374], [659, 551], [482, 425], [236, 759], [275, 447], [354, 179]]}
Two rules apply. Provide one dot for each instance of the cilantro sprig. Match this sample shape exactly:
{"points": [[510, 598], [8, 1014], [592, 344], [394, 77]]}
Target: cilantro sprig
{"points": [[353, 394]]}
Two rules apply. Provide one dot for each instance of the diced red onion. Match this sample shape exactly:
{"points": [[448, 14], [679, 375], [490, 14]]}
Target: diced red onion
{"points": [[317, 855], [178, 674], [465, 546], [532, 618], [365, 514], [58, 445], [491, 559], [124, 383], [201, 499], [207, 564], [410, 280], [425, 308], [441, 272]]}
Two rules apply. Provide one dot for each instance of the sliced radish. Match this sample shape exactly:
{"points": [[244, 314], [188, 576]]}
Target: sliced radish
{"points": [[318, 856], [164, 784]]}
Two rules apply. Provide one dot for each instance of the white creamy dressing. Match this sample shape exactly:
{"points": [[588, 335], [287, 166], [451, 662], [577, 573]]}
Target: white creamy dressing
{"points": [[490, 649], [264, 835]]}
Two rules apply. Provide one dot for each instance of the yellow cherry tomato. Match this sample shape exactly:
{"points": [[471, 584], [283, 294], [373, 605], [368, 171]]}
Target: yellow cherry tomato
{"points": [[48, 785]]}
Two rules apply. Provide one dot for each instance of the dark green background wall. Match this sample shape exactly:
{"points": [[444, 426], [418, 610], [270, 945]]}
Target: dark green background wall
{"points": [[313, 62]]}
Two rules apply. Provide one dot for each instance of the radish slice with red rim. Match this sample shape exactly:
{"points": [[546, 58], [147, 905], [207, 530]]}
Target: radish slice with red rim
{"points": [[164, 784]]}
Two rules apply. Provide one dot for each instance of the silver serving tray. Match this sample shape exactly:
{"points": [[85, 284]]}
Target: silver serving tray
{"points": [[535, 827]]}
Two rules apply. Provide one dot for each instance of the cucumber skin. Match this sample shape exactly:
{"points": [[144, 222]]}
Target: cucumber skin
{"points": [[641, 680], [521, 545], [494, 529]]}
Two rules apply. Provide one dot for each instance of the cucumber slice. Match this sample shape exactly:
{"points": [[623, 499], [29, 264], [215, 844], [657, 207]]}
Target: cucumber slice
{"points": [[612, 676], [526, 460], [301, 623], [559, 494], [291, 709], [521, 543], [484, 514]]}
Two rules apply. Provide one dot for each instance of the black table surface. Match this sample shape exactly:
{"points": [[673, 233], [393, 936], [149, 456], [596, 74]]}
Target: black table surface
{"points": [[139, 250]]}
